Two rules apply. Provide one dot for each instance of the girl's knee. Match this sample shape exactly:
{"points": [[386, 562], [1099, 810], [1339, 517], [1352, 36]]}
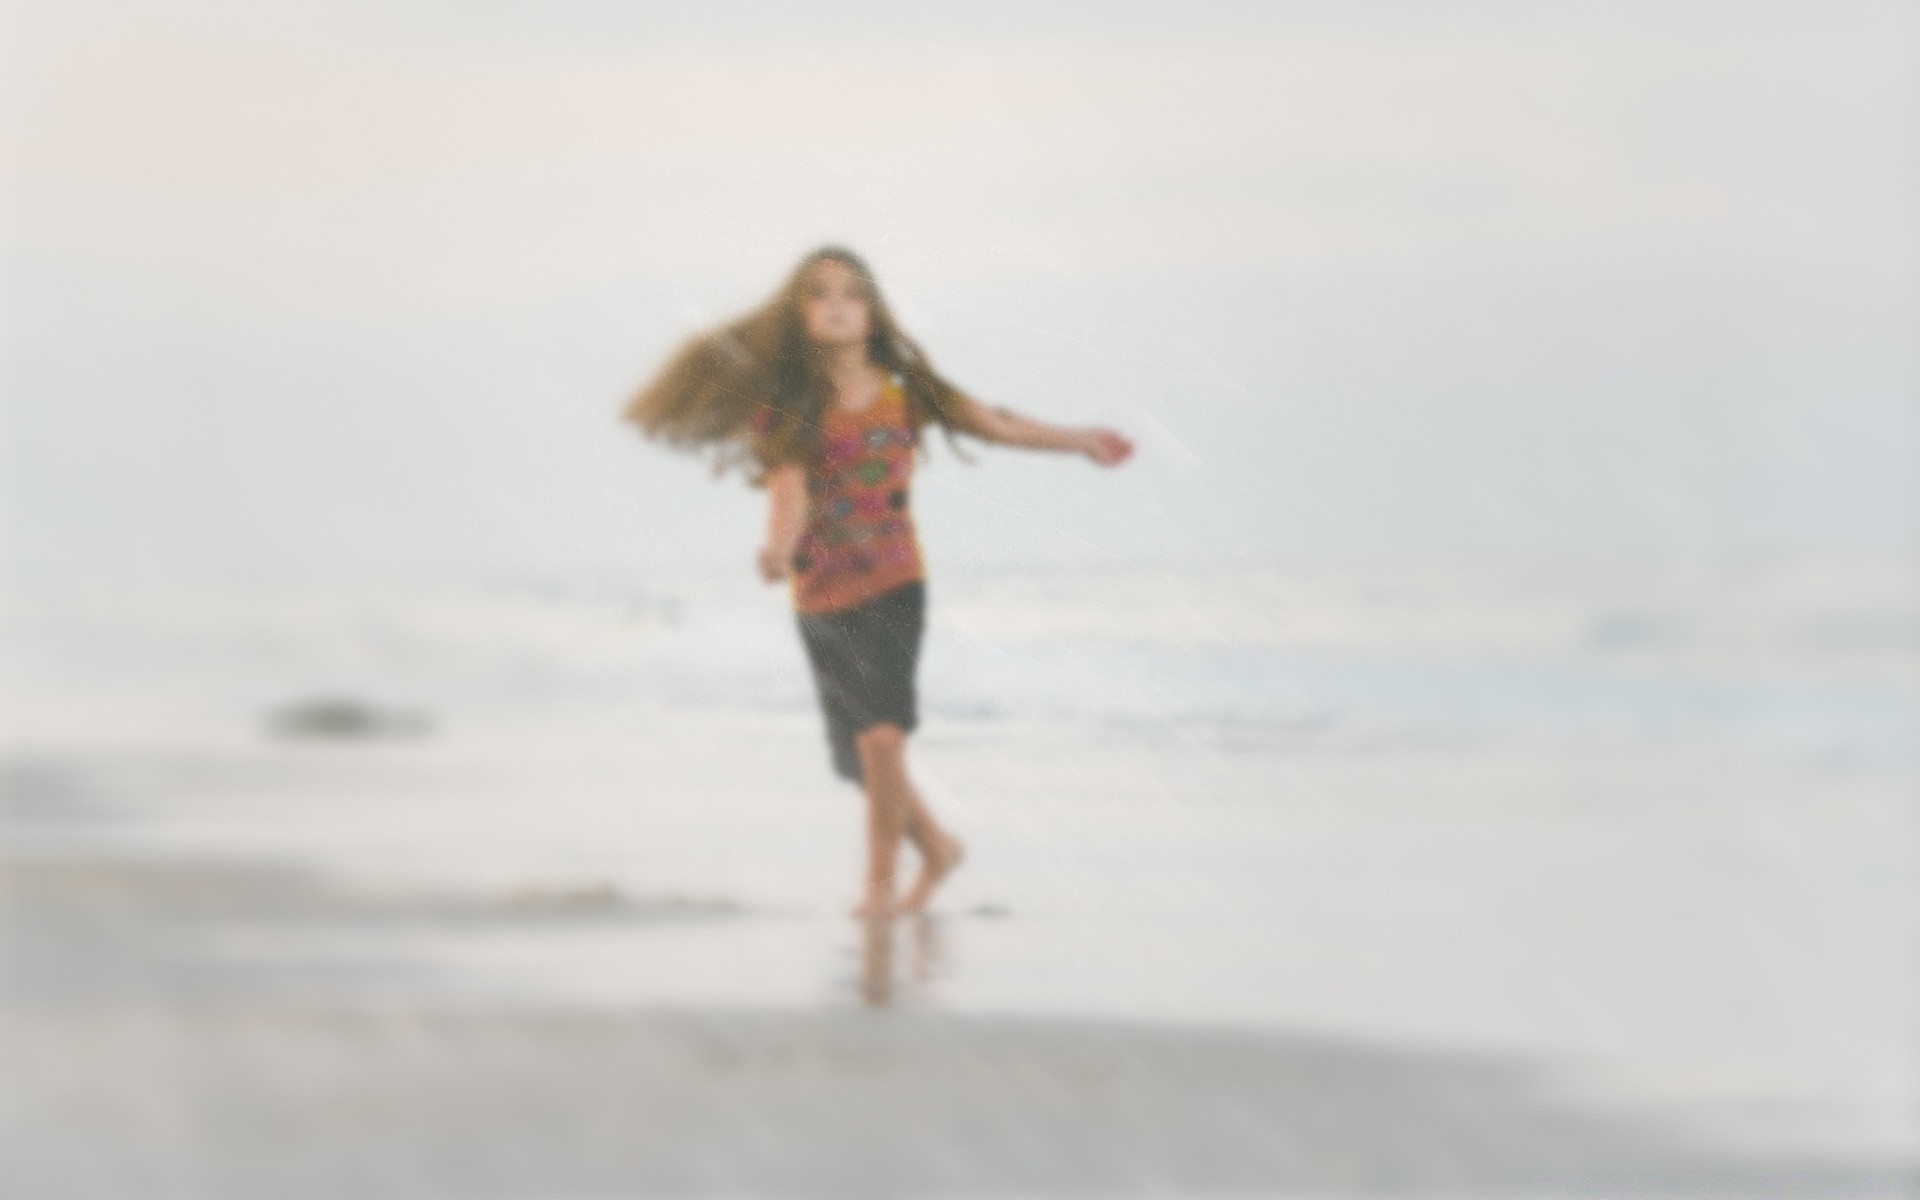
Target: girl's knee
{"points": [[883, 740]]}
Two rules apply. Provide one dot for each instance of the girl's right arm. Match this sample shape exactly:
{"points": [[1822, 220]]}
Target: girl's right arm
{"points": [[786, 517], [1104, 446]]}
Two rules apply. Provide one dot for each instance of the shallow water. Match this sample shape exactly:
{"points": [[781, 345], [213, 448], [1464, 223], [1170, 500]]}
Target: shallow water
{"points": [[1664, 861]]}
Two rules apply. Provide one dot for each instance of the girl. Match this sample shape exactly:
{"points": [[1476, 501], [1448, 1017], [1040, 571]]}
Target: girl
{"points": [[822, 397]]}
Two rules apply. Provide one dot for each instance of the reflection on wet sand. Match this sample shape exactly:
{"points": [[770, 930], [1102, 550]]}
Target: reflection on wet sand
{"points": [[876, 962], [140, 1066], [879, 987]]}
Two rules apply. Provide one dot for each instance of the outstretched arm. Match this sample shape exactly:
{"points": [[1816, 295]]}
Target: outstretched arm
{"points": [[1008, 428], [786, 517]]}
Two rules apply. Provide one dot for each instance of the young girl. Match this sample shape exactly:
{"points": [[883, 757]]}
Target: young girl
{"points": [[823, 398]]}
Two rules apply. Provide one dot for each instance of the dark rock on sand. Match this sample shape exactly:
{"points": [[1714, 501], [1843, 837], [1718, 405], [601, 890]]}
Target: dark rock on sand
{"points": [[345, 717]]}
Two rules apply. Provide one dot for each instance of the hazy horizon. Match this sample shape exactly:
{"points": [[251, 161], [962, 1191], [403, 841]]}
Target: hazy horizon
{"points": [[313, 287]]}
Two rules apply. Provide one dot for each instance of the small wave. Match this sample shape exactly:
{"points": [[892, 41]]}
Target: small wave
{"points": [[1635, 631]]}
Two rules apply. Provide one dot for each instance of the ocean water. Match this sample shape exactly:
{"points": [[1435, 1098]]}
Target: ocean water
{"points": [[1651, 826], [1807, 663]]}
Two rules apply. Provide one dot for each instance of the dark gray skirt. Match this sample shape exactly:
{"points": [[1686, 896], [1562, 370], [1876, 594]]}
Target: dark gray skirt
{"points": [[863, 661]]}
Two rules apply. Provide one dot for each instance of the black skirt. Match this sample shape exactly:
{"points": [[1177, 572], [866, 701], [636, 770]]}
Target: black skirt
{"points": [[863, 661]]}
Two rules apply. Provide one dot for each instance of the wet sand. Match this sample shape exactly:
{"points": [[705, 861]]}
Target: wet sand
{"points": [[143, 1063], [584, 934]]}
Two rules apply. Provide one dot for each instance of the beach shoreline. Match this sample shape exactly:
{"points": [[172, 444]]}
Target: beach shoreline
{"points": [[582, 932]]}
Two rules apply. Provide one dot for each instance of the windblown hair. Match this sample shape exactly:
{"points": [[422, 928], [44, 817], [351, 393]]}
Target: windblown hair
{"points": [[753, 394]]}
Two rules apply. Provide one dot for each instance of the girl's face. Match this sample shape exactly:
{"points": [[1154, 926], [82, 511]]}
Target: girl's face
{"points": [[833, 305]]}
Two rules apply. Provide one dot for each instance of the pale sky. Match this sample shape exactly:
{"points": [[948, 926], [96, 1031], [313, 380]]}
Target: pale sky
{"points": [[338, 285]]}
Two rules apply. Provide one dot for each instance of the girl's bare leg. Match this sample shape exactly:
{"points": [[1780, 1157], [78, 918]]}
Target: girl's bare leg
{"points": [[883, 769], [895, 810], [940, 852]]}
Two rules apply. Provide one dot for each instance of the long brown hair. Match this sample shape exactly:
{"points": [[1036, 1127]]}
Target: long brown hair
{"points": [[753, 394]]}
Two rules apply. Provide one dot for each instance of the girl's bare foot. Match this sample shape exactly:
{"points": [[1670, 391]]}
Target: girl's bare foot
{"points": [[937, 867]]}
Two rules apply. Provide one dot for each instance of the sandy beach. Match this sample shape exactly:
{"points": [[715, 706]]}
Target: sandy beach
{"points": [[1422, 626], [581, 932]]}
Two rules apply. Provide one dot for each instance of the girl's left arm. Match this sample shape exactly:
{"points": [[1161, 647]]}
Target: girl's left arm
{"points": [[1008, 428], [786, 515]]}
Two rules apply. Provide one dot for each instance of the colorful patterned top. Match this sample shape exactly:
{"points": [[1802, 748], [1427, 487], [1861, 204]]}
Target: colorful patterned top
{"points": [[859, 540]]}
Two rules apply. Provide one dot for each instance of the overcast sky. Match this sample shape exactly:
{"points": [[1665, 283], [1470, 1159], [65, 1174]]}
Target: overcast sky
{"points": [[336, 285]]}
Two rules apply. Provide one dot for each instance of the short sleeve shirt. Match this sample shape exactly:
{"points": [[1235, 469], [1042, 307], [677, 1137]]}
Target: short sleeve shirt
{"points": [[859, 540]]}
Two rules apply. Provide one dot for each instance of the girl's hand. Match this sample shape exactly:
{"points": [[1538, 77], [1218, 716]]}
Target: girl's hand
{"points": [[1105, 446], [786, 516], [773, 564]]}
